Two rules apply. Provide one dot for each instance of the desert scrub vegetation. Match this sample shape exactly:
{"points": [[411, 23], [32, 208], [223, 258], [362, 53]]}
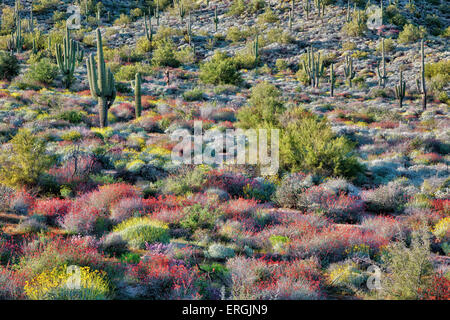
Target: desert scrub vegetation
{"points": [[25, 161], [221, 69], [86, 171]]}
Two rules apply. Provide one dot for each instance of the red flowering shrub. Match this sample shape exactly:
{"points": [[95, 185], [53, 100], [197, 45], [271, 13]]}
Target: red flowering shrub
{"points": [[11, 285], [439, 288], [159, 277], [47, 253], [52, 208], [259, 279], [109, 194], [21, 202], [126, 208]]}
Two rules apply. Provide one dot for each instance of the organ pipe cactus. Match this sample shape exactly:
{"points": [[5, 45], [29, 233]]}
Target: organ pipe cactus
{"points": [[181, 11], [101, 82], [136, 84], [66, 58], [381, 72], [420, 82], [349, 72], [400, 90], [313, 66]]}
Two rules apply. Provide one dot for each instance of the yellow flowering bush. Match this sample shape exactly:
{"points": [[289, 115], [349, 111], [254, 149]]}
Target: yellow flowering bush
{"points": [[141, 230], [442, 229], [346, 275], [60, 284]]}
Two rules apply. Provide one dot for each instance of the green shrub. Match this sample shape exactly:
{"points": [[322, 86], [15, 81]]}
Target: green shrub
{"points": [[164, 55], [439, 75], [9, 66], [43, 72], [264, 108], [268, 16], [389, 45], [122, 20], [25, 162], [199, 216], [237, 8], [234, 34], [141, 230], [408, 268], [357, 27], [222, 69], [308, 144], [411, 33], [219, 251], [195, 94]]}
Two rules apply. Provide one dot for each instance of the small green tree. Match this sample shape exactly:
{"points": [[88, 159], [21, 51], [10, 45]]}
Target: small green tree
{"points": [[308, 144], [9, 66], [264, 108], [222, 69], [25, 162]]}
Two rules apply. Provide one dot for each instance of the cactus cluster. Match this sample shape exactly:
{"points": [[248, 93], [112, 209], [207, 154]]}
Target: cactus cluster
{"points": [[15, 43], [66, 57], [101, 82], [313, 66]]}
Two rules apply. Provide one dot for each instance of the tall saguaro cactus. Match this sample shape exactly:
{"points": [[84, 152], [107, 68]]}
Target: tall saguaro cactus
{"points": [[101, 82], [313, 67], [400, 90], [381, 72], [136, 84], [216, 19], [421, 85], [255, 48], [332, 80], [349, 72], [148, 28], [66, 58]]}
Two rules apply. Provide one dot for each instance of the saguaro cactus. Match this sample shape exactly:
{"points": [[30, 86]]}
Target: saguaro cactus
{"points": [[348, 70], [148, 28], [66, 58], [101, 82], [381, 73], [16, 40], [313, 67], [400, 90], [307, 7], [79, 54], [216, 19], [136, 84], [421, 85], [255, 48], [291, 18], [332, 80]]}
